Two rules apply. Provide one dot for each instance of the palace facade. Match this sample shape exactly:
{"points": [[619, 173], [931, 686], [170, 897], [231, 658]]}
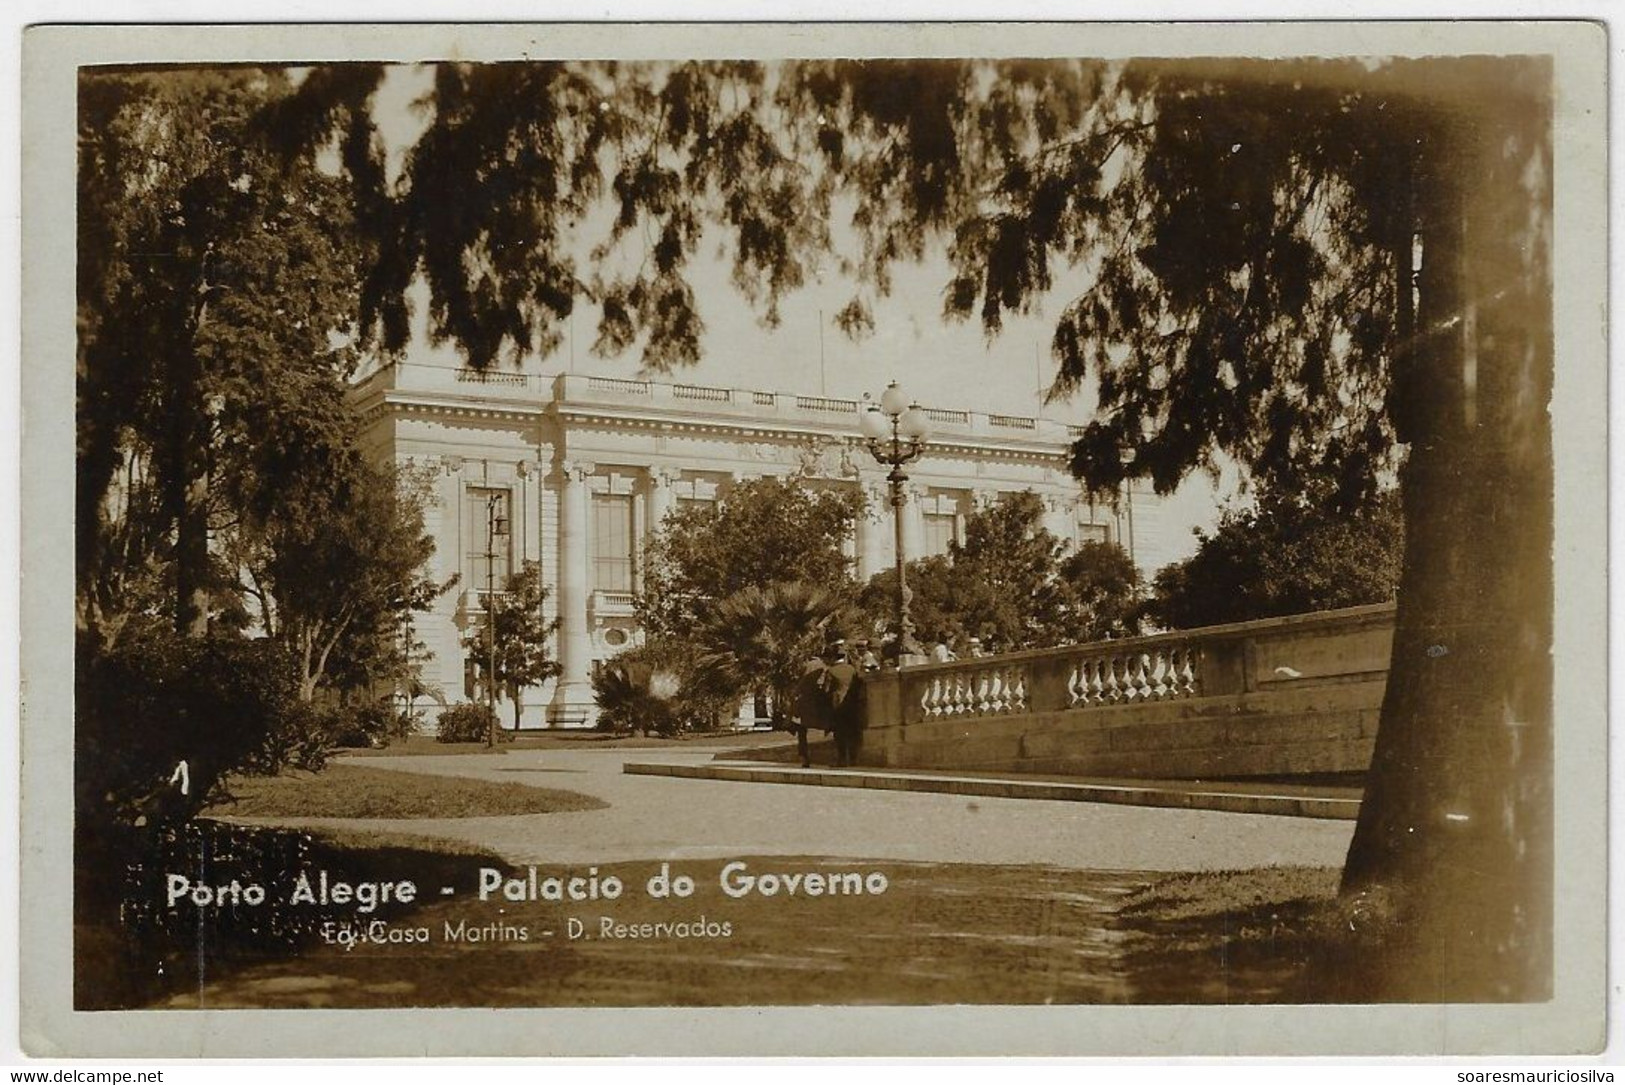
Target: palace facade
{"points": [[583, 468]]}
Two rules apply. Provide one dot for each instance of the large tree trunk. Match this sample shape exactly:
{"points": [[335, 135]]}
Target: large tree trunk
{"points": [[1454, 841]]}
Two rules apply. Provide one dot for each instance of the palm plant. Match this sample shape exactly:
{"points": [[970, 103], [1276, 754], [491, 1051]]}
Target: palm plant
{"points": [[759, 638]]}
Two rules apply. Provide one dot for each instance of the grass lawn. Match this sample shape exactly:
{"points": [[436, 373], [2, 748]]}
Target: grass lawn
{"points": [[939, 934], [1279, 934], [355, 791]]}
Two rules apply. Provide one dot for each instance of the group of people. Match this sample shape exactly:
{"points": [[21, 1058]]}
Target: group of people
{"points": [[829, 697]]}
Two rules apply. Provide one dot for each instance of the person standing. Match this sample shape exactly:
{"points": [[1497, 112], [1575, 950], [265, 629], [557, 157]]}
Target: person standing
{"points": [[811, 707], [843, 689]]}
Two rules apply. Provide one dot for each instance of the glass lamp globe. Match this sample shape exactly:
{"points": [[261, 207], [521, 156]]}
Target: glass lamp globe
{"points": [[914, 425], [894, 401], [873, 424]]}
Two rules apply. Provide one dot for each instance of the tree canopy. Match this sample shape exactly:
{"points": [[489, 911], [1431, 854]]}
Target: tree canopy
{"points": [[760, 532], [521, 638], [1015, 585], [219, 284], [1288, 554]]}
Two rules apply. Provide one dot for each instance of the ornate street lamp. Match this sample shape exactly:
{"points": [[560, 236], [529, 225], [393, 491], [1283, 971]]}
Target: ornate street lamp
{"points": [[895, 431], [496, 527]]}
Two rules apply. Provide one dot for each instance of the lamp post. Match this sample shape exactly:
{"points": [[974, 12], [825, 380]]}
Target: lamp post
{"points": [[496, 526], [895, 432]]}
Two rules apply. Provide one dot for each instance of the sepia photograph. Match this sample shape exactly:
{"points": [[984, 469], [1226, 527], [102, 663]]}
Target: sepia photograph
{"points": [[902, 518]]}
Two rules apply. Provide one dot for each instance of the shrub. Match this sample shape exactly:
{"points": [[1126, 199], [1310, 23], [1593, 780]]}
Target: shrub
{"points": [[220, 704], [469, 723], [370, 723], [656, 688]]}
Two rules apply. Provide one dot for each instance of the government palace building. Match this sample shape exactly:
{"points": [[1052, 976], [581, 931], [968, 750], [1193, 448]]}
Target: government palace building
{"points": [[585, 467]]}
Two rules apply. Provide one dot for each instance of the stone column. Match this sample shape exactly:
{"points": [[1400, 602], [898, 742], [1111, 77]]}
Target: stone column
{"points": [[659, 497], [873, 529], [574, 693], [913, 523]]}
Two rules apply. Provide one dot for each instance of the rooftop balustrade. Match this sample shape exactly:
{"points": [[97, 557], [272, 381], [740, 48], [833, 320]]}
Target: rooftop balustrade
{"points": [[577, 390]]}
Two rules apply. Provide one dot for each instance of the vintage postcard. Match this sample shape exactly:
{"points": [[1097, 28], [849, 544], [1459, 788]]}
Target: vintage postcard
{"points": [[814, 539]]}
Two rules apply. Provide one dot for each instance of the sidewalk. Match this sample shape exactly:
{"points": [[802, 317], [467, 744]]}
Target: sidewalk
{"points": [[1238, 798]]}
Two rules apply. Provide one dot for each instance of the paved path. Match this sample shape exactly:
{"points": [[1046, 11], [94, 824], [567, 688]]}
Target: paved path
{"points": [[654, 817]]}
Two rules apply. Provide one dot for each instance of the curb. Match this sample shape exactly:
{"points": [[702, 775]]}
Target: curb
{"points": [[1325, 807]]}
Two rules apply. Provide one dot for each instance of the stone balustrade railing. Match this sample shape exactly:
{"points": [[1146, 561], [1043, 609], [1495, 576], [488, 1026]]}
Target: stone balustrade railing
{"points": [[1236, 659], [1278, 697]]}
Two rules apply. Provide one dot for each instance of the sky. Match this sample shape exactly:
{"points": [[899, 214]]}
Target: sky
{"points": [[943, 364]]}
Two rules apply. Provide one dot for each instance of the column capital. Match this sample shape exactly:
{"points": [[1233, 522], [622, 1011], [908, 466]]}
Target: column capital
{"points": [[578, 470]]}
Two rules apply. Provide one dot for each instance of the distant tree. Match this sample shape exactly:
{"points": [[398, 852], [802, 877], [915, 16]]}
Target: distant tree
{"points": [[339, 557], [1288, 554], [757, 640], [1102, 590], [762, 532], [523, 638], [935, 603], [1006, 572], [1013, 582]]}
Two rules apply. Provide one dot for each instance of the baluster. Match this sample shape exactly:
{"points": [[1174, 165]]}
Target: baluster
{"points": [[1019, 694], [928, 701], [984, 692], [1131, 678], [1074, 679], [1160, 670], [1097, 683], [1143, 675], [1188, 673], [1112, 692]]}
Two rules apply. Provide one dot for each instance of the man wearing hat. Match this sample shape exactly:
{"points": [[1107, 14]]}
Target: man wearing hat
{"points": [[843, 690], [812, 709]]}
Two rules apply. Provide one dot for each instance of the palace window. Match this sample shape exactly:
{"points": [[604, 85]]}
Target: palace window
{"points": [[939, 532], [483, 554], [1096, 533], [612, 543]]}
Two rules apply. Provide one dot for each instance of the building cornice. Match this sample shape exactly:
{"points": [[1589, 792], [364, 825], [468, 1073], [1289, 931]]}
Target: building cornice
{"points": [[610, 418], [376, 404], [413, 403]]}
